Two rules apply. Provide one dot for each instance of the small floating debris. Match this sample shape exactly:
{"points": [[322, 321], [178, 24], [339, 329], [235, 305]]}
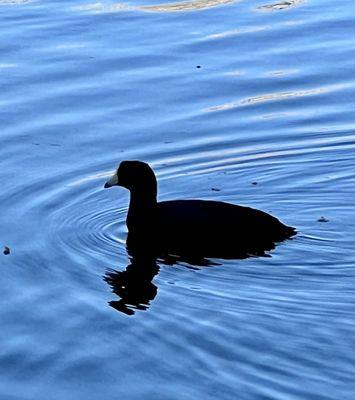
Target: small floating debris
{"points": [[322, 219], [215, 189], [6, 250], [198, 66], [254, 183]]}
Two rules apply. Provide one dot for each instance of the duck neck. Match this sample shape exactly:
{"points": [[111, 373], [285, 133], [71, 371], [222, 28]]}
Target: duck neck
{"points": [[141, 211]]}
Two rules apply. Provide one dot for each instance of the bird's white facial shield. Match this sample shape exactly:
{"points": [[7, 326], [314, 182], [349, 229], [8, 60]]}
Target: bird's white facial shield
{"points": [[113, 181]]}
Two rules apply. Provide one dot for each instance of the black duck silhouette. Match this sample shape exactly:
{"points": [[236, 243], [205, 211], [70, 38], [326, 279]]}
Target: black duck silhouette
{"points": [[191, 229]]}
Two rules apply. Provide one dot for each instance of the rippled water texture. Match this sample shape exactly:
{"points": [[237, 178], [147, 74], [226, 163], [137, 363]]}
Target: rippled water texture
{"points": [[242, 101]]}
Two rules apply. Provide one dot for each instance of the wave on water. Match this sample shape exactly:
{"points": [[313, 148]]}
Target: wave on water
{"points": [[282, 5], [14, 2], [272, 97], [193, 5]]}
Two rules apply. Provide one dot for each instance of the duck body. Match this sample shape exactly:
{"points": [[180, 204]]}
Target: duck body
{"points": [[206, 228], [201, 228]]}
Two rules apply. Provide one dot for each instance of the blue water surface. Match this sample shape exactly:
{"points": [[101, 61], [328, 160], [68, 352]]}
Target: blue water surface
{"points": [[249, 102]]}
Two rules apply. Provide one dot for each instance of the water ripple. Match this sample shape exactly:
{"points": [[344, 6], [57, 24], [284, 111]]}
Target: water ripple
{"points": [[275, 97], [15, 2], [282, 5], [186, 6], [83, 227], [265, 121], [183, 6]]}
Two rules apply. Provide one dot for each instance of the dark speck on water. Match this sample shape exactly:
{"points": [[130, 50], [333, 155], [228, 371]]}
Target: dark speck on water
{"points": [[323, 219], [268, 125]]}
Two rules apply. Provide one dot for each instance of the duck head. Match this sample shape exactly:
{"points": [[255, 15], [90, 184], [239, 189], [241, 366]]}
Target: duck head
{"points": [[136, 176]]}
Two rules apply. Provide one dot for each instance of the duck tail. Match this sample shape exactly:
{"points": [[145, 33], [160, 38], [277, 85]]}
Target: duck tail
{"points": [[290, 231]]}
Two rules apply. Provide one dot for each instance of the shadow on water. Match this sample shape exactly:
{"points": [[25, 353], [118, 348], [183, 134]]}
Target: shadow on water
{"points": [[134, 285]]}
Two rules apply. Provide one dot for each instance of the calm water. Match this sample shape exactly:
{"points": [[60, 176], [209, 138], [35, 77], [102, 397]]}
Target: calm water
{"points": [[215, 95]]}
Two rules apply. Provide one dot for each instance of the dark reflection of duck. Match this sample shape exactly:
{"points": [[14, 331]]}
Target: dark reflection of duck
{"points": [[192, 229], [133, 286]]}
